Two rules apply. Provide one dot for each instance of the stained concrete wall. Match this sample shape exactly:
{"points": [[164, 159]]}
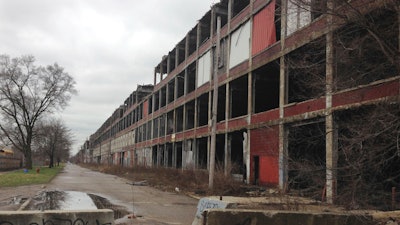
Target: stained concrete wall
{"points": [[247, 217], [56, 217]]}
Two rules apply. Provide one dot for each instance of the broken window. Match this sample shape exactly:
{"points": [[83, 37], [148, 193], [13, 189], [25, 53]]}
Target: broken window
{"points": [[221, 103], [202, 149], [266, 87], [300, 13], [238, 6], [180, 81], [236, 147], [192, 39], [171, 60], [306, 71], [238, 97], [170, 122], [220, 152], [221, 10], [180, 48], [179, 119], [169, 155], [163, 96], [202, 110], [171, 91], [178, 152], [191, 78], [147, 131], [156, 97], [162, 125], [189, 121], [155, 128], [306, 158], [205, 28]]}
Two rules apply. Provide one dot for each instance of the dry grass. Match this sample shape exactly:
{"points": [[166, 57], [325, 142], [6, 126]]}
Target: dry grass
{"points": [[167, 179]]}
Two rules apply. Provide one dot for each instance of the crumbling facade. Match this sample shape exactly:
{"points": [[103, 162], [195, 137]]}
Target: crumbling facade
{"points": [[283, 71]]}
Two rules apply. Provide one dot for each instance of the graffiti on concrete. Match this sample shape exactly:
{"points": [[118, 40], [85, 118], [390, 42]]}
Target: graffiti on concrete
{"points": [[206, 203], [58, 221]]}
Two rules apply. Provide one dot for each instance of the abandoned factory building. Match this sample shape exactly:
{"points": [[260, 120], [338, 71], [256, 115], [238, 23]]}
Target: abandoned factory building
{"points": [[291, 76]]}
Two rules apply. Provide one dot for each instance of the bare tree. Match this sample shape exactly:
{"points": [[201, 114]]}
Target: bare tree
{"points": [[28, 92], [53, 140]]}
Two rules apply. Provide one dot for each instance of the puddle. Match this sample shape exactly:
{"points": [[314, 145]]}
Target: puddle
{"points": [[73, 200]]}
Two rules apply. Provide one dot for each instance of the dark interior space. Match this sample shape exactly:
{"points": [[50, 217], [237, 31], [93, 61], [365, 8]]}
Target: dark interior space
{"points": [[266, 87], [220, 152], [191, 78], [202, 152], [238, 97], [189, 122], [202, 110], [179, 119], [171, 91], [180, 88], [221, 103], [306, 71], [364, 52], [178, 148], [236, 139], [238, 6], [170, 122], [306, 159]]}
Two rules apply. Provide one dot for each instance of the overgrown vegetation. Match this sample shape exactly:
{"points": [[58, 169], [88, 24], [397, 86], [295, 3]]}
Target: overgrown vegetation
{"points": [[187, 181]]}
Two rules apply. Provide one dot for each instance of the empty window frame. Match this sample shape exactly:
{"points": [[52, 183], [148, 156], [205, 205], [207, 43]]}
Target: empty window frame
{"points": [[179, 119], [202, 110], [190, 78], [266, 87], [306, 71], [189, 114], [171, 91], [180, 84], [238, 6], [238, 95]]}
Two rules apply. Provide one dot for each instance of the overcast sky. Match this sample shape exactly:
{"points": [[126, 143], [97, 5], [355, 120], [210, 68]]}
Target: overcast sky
{"points": [[108, 46]]}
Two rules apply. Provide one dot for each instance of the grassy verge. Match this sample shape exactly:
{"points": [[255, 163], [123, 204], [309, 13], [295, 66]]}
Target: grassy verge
{"points": [[19, 177]]}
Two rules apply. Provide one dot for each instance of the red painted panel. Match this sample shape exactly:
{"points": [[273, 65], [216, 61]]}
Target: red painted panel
{"points": [[269, 170], [264, 32], [367, 93], [264, 142], [303, 107], [265, 116]]}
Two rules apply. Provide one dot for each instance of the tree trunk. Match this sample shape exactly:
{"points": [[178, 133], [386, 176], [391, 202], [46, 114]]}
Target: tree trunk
{"points": [[51, 164], [28, 159]]}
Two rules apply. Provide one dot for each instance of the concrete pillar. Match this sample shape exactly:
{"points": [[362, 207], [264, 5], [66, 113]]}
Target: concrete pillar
{"points": [[331, 137], [283, 88]]}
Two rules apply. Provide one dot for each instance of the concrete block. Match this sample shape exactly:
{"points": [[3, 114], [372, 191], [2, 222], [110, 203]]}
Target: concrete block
{"points": [[58, 217], [261, 217]]}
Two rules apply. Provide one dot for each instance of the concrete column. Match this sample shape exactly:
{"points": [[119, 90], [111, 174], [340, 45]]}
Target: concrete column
{"points": [[331, 137], [283, 86]]}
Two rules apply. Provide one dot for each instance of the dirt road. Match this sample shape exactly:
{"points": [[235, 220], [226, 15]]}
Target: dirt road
{"points": [[150, 205]]}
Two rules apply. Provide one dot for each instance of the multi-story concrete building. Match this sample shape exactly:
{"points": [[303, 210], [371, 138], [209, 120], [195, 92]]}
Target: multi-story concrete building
{"points": [[287, 72]]}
